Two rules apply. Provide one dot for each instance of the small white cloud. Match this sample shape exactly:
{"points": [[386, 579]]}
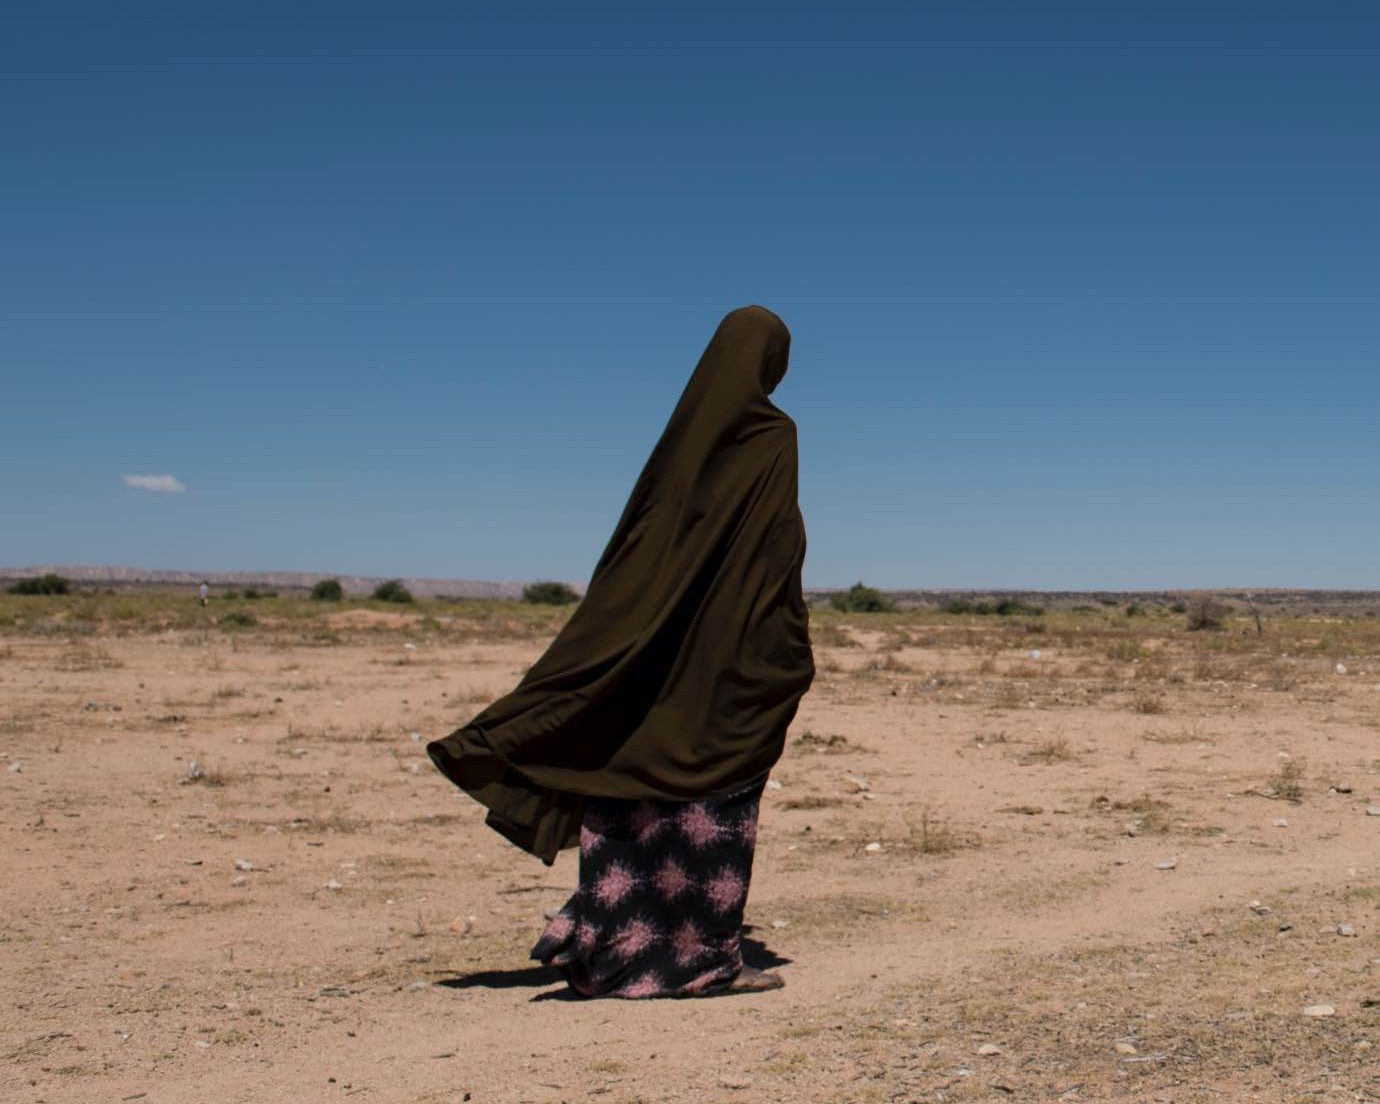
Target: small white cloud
{"points": [[164, 484]]}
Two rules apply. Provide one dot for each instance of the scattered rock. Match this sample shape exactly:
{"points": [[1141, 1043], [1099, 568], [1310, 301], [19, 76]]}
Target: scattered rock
{"points": [[1345, 929], [194, 773], [1318, 1010], [989, 1050], [243, 864], [1023, 810], [1285, 926], [874, 846], [239, 880], [16, 768], [333, 884], [1373, 810], [1126, 1048], [1259, 909], [1167, 864], [779, 924], [418, 986], [773, 784], [1280, 822], [736, 1082]]}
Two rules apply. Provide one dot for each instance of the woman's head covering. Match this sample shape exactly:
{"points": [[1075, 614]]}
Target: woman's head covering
{"points": [[678, 674]]}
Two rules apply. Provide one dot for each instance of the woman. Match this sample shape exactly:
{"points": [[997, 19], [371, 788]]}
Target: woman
{"points": [[647, 730]]}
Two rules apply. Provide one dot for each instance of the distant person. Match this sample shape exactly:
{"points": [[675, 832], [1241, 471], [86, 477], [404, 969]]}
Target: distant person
{"points": [[646, 732], [204, 593]]}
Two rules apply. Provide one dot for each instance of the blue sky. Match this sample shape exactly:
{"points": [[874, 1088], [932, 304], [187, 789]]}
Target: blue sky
{"points": [[1082, 295]]}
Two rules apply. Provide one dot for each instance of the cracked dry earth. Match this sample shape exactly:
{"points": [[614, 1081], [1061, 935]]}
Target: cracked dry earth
{"points": [[985, 876]]}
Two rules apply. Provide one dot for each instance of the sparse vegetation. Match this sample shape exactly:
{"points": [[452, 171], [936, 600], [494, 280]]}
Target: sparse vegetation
{"points": [[1003, 607], [1207, 614], [549, 594], [238, 619]]}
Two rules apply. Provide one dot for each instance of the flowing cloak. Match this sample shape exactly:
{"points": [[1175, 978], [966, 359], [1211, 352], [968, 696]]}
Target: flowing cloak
{"points": [[679, 672]]}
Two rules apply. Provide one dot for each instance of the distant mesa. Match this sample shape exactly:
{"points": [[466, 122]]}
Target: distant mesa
{"points": [[357, 586]]}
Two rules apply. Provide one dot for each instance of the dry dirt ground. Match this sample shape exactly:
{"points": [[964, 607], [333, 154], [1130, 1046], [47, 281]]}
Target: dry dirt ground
{"points": [[1119, 870]]}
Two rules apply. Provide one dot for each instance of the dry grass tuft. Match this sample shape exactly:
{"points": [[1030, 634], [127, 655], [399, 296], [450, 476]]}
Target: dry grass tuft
{"points": [[1148, 702]]}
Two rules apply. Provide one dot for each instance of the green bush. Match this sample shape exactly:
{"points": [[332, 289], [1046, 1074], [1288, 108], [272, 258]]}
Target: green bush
{"points": [[549, 594], [328, 590], [861, 599], [1134, 610], [44, 584], [238, 619], [392, 591]]}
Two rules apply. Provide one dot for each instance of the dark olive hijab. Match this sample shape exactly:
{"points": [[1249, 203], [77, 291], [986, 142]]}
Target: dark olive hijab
{"points": [[677, 675]]}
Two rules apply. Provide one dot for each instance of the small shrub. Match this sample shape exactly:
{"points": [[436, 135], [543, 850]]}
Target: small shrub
{"points": [[44, 584], [1146, 702], [238, 619], [231, 594], [1178, 607], [1134, 610], [1207, 614], [1288, 783], [861, 599], [549, 594], [392, 591], [328, 590]]}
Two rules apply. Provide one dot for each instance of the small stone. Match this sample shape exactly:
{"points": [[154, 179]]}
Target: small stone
{"points": [[239, 880], [243, 864], [1280, 822], [1373, 810], [874, 846], [989, 1050], [773, 784], [1340, 668], [16, 768], [1167, 864], [1317, 1010], [417, 987], [1285, 926], [333, 884], [410, 646], [1259, 909], [416, 737], [735, 1082], [1346, 930], [203, 1044], [779, 924], [1126, 1048]]}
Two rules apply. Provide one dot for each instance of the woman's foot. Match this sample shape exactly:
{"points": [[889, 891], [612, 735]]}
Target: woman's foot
{"points": [[752, 980]]}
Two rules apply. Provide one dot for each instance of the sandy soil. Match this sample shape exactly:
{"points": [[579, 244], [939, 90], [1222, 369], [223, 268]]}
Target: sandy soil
{"points": [[1060, 907]]}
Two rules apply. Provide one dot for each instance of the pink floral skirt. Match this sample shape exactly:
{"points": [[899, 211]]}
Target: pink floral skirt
{"points": [[659, 911]]}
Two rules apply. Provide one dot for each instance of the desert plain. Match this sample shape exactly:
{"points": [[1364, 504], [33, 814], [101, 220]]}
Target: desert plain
{"points": [[1067, 856]]}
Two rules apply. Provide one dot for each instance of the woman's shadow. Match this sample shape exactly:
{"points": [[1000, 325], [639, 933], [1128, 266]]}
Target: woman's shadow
{"points": [[755, 954]]}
